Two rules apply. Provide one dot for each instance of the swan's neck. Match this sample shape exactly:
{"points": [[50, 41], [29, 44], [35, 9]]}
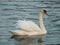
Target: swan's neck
{"points": [[41, 22]]}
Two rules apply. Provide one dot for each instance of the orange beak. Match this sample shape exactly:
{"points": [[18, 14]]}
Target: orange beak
{"points": [[46, 13]]}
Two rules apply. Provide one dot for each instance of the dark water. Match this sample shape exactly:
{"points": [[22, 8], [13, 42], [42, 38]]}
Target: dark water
{"points": [[13, 10]]}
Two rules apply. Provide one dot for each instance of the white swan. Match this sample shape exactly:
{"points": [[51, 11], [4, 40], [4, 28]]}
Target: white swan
{"points": [[29, 28]]}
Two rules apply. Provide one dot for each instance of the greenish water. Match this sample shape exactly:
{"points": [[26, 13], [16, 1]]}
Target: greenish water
{"points": [[13, 10]]}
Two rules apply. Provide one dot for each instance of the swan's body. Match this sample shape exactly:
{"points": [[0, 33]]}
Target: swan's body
{"points": [[30, 28]]}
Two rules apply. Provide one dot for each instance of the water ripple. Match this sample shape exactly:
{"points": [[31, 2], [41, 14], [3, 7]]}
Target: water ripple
{"points": [[13, 10]]}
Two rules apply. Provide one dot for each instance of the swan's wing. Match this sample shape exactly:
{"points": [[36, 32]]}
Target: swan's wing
{"points": [[22, 32], [18, 32], [27, 25]]}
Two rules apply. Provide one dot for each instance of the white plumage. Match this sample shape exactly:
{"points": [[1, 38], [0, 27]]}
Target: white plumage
{"points": [[28, 26]]}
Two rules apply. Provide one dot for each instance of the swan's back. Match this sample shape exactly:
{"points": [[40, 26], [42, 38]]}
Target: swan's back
{"points": [[28, 26]]}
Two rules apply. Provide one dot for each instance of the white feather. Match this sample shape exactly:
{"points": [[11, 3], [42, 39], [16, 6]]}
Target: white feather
{"points": [[27, 25], [18, 32], [22, 32]]}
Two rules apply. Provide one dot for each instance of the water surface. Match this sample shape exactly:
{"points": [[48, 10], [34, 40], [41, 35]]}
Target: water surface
{"points": [[13, 10]]}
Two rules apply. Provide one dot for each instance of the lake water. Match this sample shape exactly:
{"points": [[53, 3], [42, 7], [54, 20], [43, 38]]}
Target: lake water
{"points": [[13, 10]]}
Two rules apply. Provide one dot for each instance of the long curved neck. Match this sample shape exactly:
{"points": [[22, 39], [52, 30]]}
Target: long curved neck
{"points": [[41, 22]]}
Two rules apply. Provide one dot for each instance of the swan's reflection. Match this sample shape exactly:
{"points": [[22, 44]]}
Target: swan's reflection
{"points": [[27, 41]]}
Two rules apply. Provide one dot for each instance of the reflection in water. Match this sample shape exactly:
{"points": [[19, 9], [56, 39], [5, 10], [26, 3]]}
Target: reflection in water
{"points": [[20, 40], [28, 41]]}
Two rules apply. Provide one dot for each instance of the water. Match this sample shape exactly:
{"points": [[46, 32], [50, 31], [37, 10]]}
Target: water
{"points": [[13, 10]]}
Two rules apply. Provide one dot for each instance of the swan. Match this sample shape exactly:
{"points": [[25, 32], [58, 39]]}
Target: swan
{"points": [[29, 28]]}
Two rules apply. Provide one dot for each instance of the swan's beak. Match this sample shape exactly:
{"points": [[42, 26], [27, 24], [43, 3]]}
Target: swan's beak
{"points": [[46, 13]]}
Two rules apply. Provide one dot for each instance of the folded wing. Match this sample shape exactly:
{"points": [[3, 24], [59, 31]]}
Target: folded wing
{"points": [[28, 26]]}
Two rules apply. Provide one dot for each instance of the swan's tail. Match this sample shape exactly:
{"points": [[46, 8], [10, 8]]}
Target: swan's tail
{"points": [[13, 32]]}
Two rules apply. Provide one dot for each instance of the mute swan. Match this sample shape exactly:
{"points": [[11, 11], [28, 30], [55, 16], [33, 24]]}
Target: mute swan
{"points": [[29, 28]]}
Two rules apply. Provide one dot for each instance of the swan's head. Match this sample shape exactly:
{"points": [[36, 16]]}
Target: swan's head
{"points": [[44, 11]]}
